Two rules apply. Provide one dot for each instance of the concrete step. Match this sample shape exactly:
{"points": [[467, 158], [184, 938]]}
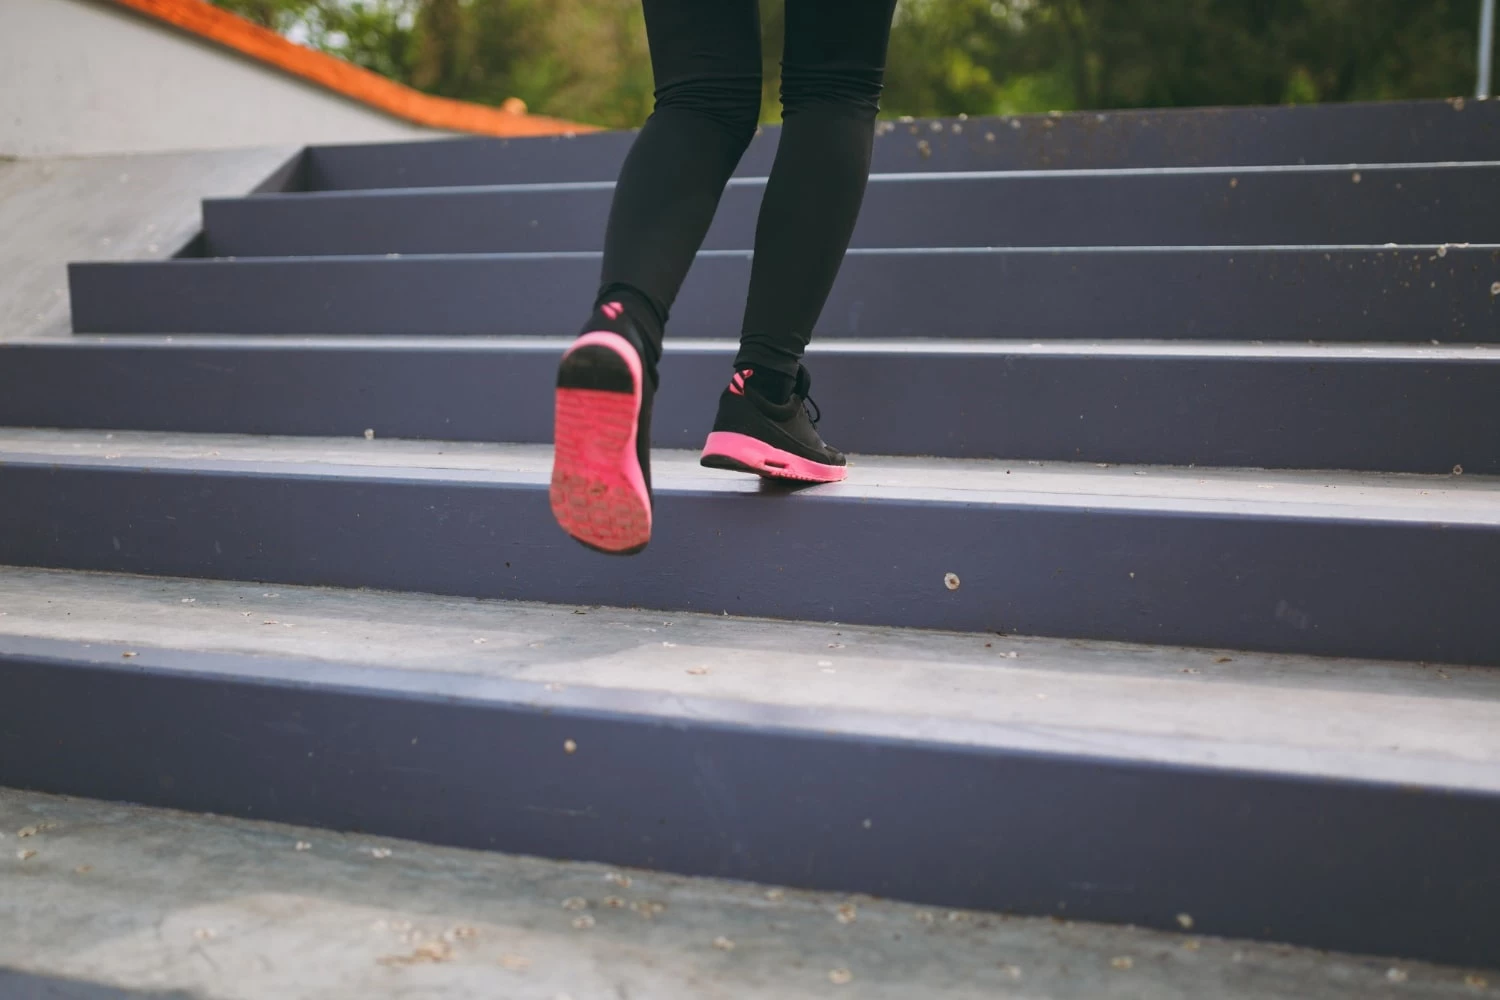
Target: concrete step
{"points": [[1388, 132], [1393, 294], [1236, 206], [1370, 407], [205, 906], [1320, 563], [1264, 797]]}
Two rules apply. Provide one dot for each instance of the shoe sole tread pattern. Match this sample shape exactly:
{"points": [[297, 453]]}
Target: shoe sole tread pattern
{"points": [[598, 492]]}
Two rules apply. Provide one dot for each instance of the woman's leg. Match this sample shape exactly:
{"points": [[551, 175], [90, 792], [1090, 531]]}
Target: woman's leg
{"points": [[705, 55], [832, 71], [833, 68]]}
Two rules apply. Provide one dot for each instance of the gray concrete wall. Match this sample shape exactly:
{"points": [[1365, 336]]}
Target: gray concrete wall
{"points": [[53, 211], [79, 77]]}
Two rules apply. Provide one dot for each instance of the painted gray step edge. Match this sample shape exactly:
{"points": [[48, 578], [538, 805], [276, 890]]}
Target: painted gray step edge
{"points": [[1329, 864], [1427, 203], [1378, 409], [1387, 132], [1409, 294], [1339, 575]]}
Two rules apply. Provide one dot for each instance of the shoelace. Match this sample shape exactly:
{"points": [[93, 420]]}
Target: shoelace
{"points": [[813, 413]]}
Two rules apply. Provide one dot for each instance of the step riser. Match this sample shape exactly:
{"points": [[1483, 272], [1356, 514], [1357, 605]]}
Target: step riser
{"points": [[1282, 294], [1405, 205], [1376, 589], [1334, 865], [1392, 416], [1412, 132]]}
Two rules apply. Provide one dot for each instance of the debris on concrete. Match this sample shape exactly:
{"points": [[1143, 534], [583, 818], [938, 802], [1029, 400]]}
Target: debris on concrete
{"points": [[425, 953]]}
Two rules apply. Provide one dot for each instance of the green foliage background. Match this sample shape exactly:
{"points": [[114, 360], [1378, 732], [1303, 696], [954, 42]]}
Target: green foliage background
{"points": [[587, 59]]}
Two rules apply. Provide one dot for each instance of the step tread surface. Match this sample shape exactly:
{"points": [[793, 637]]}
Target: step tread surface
{"points": [[1295, 715], [1484, 354], [330, 921], [1458, 500]]}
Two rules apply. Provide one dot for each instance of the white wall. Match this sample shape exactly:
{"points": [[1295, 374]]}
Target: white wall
{"points": [[84, 77]]}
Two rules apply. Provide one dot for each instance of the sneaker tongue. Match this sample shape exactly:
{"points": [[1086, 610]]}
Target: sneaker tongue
{"points": [[804, 382]]}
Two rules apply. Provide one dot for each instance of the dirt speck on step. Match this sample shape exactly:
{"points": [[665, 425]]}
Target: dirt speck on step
{"points": [[429, 952]]}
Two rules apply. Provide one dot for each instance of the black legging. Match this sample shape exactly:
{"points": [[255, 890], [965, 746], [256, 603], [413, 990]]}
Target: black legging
{"points": [[705, 55]]}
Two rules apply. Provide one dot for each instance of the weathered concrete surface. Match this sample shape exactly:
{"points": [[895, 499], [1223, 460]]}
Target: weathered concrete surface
{"points": [[1371, 721], [167, 902], [53, 211]]}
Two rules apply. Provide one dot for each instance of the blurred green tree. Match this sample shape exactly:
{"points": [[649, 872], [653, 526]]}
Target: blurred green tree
{"points": [[587, 59]]}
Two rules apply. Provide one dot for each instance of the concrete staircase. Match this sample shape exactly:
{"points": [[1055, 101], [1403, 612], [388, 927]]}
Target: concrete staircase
{"points": [[1095, 371]]}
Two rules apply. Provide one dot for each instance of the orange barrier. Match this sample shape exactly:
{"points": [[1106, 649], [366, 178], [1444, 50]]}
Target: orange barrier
{"points": [[234, 32]]}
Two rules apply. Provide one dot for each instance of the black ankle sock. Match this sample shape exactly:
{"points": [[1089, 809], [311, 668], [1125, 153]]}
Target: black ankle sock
{"points": [[646, 314], [618, 316], [772, 384]]}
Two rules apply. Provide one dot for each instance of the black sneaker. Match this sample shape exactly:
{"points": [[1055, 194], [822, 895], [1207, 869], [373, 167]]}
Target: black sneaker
{"points": [[775, 440], [601, 465]]}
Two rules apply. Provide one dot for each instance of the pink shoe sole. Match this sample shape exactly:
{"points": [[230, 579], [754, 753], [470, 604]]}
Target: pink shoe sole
{"points": [[743, 453], [598, 491]]}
